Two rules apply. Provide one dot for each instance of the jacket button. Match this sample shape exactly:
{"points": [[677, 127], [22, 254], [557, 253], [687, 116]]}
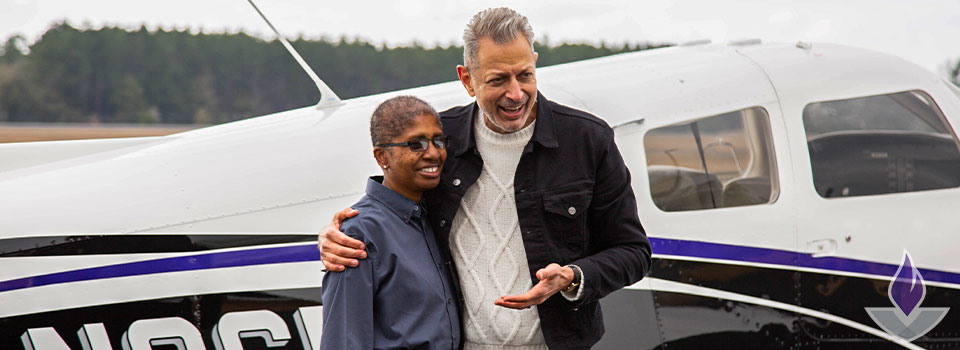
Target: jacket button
{"points": [[456, 182], [443, 223], [572, 211]]}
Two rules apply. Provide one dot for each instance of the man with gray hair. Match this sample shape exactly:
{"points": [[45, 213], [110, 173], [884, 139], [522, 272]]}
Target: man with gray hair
{"points": [[534, 201]]}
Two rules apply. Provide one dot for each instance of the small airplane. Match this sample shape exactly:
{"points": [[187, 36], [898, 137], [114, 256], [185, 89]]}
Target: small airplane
{"points": [[795, 196]]}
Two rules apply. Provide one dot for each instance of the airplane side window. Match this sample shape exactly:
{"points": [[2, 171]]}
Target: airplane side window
{"points": [[720, 161], [881, 144]]}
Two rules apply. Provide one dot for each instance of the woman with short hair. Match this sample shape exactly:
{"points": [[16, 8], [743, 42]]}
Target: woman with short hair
{"points": [[401, 296]]}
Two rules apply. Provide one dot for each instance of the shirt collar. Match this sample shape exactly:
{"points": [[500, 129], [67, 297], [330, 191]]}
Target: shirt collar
{"points": [[543, 132], [405, 208]]}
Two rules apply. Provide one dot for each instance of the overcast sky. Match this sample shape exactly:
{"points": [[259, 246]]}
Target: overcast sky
{"points": [[926, 32]]}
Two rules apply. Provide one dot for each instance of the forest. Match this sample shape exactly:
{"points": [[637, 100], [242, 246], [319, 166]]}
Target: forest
{"points": [[141, 76]]}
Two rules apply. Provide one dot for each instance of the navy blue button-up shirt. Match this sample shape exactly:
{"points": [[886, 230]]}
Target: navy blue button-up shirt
{"points": [[401, 296]]}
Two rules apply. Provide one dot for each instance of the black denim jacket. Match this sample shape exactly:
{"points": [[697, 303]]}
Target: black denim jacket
{"points": [[575, 206]]}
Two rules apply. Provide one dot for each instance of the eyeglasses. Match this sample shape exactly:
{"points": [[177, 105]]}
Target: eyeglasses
{"points": [[420, 145]]}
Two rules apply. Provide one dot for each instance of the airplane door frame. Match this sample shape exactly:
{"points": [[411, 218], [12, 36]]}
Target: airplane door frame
{"points": [[850, 247], [692, 278]]}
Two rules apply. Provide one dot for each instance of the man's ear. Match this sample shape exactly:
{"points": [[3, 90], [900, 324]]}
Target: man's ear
{"points": [[535, 56], [466, 79]]}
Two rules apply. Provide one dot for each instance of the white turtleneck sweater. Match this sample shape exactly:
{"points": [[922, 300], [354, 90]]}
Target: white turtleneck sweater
{"points": [[488, 249]]}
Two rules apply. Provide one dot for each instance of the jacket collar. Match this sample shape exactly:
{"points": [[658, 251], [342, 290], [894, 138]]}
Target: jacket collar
{"points": [[461, 128]]}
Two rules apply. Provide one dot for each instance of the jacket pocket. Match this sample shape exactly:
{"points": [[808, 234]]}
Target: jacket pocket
{"points": [[565, 219]]}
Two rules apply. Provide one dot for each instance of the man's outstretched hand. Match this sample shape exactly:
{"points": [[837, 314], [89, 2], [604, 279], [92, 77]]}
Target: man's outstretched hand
{"points": [[337, 250], [553, 279]]}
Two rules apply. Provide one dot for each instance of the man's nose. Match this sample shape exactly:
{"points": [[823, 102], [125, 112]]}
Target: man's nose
{"points": [[513, 90]]}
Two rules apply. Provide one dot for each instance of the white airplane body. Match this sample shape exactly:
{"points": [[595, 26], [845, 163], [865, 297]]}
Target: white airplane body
{"points": [[207, 238]]}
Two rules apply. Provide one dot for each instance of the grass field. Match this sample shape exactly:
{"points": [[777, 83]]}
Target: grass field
{"points": [[27, 132]]}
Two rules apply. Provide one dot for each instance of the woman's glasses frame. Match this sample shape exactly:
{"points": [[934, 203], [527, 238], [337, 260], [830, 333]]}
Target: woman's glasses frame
{"points": [[420, 145]]}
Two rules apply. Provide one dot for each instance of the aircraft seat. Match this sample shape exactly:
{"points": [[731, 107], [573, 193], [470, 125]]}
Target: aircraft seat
{"points": [[678, 188], [747, 191]]}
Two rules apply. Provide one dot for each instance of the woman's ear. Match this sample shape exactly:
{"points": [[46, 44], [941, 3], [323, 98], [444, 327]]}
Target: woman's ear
{"points": [[382, 157]]}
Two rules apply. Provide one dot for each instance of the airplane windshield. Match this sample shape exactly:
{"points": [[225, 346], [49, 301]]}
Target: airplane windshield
{"points": [[880, 144], [905, 111]]}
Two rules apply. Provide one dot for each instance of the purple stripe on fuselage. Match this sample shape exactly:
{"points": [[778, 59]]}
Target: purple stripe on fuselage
{"points": [[309, 252], [786, 258], [722, 251], [262, 256]]}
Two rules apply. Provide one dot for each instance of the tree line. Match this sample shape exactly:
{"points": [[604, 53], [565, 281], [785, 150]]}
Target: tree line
{"points": [[117, 75]]}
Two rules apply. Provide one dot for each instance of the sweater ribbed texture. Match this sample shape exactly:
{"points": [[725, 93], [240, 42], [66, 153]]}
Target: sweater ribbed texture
{"points": [[488, 249]]}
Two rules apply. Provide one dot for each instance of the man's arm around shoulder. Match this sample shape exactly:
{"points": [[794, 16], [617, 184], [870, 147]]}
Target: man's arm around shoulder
{"points": [[337, 250]]}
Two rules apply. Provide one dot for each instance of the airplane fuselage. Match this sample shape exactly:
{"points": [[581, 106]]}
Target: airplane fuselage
{"points": [[782, 188]]}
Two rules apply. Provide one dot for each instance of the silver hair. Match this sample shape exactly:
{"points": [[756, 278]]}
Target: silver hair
{"points": [[500, 24], [395, 114]]}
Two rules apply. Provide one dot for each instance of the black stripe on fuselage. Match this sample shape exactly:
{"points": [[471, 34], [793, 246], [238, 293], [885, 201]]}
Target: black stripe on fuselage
{"points": [[203, 311], [136, 243]]}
